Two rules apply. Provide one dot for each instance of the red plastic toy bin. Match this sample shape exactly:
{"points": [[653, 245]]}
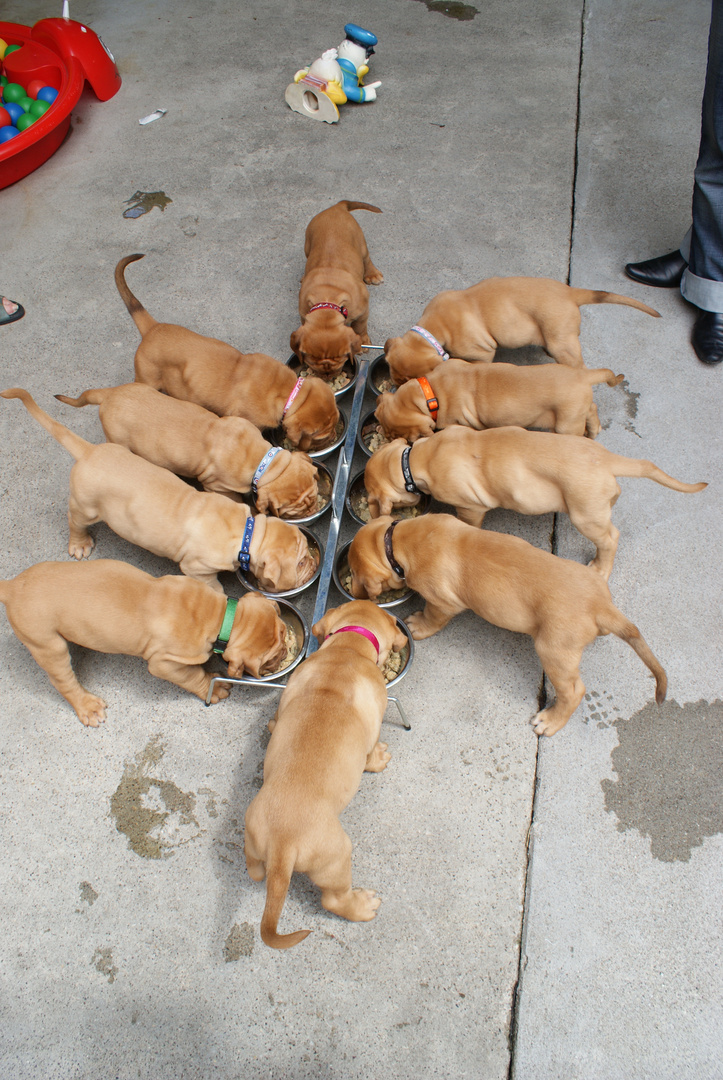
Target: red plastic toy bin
{"points": [[63, 54]]}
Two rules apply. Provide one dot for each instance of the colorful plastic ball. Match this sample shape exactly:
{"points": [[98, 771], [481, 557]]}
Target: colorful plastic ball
{"points": [[25, 121], [37, 108], [8, 132], [25, 103], [13, 92], [5, 117], [47, 93], [11, 49], [3, 47], [14, 109], [3, 82], [34, 86]]}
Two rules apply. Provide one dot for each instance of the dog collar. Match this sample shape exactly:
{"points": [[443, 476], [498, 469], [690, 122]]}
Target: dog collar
{"points": [[388, 551], [359, 630], [432, 341], [219, 645], [263, 466], [335, 307], [244, 555], [432, 403], [292, 395], [409, 484]]}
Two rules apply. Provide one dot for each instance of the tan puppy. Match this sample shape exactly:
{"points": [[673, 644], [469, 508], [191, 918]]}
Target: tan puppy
{"points": [[215, 375], [498, 395], [324, 736], [334, 299], [223, 452], [532, 472], [109, 606], [151, 507], [564, 606], [498, 313]]}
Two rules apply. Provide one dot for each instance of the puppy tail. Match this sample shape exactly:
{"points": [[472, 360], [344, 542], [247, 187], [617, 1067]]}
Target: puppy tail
{"points": [[614, 622], [598, 296], [640, 467], [360, 206], [606, 375], [138, 313], [73, 443], [278, 877], [88, 397]]}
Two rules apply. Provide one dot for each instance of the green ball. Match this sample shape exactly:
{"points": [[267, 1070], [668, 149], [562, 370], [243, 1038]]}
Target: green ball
{"points": [[25, 103], [25, 121], [37, 108], [11, 49], [13, 92], [3, 80]]}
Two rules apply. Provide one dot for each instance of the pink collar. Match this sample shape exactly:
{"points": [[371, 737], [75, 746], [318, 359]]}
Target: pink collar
{"points": [[359, 630], [335, 307], [292, 395]]}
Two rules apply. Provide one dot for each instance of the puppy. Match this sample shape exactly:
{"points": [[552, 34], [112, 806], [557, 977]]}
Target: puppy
{"points": [[498, 313], [564, 606], [498, 395], [222, 452], [203, 532], [324, 736], [210, 373], [334, 299], [109, 606], [532, 472]]}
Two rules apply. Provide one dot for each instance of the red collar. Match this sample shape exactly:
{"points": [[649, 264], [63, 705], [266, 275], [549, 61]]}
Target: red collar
{"points": [[335, 307], [432, 403], [359, 630]]}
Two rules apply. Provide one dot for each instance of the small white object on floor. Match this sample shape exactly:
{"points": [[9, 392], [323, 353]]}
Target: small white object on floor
{"points": [[153, 116]]}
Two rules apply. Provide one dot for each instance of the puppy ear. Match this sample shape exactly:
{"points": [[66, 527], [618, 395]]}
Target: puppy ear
{"points": [[388, 344], [400, 640], [295, 341], [320, 629], [262, 500], [355, 346]]}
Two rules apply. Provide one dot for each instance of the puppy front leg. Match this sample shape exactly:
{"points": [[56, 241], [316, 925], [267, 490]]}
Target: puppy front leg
{"points": [[378, 758], [359, 326], [54, 658], [191, 568], [372, 276], [427, 622], [472, 515], [80, 542], [191, 677]]}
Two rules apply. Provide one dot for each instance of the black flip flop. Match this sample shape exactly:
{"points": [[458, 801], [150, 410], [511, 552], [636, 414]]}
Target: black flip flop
{"points": [[4, 317]]}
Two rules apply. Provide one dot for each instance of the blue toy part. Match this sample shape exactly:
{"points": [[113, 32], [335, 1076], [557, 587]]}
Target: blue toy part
{"points": [[8, 132], [14, 110], [362, 37]]}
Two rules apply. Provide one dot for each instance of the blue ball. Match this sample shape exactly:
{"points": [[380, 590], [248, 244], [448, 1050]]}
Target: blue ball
{"points": [[47, 93], [8, 132], [14, 109]]}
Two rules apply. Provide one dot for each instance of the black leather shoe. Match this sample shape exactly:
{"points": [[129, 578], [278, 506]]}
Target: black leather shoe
{"points": [[664, 272], [708, 337]]}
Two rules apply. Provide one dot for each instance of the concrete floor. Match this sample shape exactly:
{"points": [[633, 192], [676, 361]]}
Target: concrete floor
{"points": [[547, 912]]}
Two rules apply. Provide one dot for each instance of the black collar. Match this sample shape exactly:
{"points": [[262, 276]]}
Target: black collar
{"points": [[389, 552], [409, 484]]}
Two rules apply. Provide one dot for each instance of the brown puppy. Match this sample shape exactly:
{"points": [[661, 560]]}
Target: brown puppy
{"points": [[564, 606], [498, 313], [324, 736], [498, 395], [151, 507], [334, 299], [223, 452], [215, 375], [109, 606], [532, 472]]}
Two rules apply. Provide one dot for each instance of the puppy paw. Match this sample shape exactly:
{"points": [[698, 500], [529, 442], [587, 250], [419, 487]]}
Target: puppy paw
{"points": [[417, 626], [374, 277], [366, 903], [378, 758], [219, 694], [91, 711], [81, 549], [543, 724]]}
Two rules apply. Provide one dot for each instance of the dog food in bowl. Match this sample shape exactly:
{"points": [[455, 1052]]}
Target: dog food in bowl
{"points": [[371, 436], [325, 484], [278, 437], [249, 581], [357, 503], [398, 664], [380, 379], [340, 383], [342, 579], [296, 641]]}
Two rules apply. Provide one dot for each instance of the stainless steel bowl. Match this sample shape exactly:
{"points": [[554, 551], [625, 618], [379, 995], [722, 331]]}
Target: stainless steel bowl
{"points": [[341, 568], [351, 370], [276, 437], [379, 372], [249, 581], [325, 480], [299, 627], [407, 654], [368, 421], [357, 488]]}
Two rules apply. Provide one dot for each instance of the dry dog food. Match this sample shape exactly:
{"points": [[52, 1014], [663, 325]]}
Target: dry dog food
{"points": [[373, 437], [385, 597], [336, 382], [394, 664], [292, 648], [360, 506]]}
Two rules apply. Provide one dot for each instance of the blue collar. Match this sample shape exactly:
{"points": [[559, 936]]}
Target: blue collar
{"points": [[244, 557], [263, 466]]}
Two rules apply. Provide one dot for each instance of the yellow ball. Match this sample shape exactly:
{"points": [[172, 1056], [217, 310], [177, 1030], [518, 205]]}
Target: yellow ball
{"points": [[3, 47]]}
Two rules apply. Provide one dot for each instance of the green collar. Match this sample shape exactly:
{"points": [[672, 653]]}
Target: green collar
{"points": [[219, 645]]}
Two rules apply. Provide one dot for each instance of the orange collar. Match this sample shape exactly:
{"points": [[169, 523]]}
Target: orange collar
{"points": [[432, 403]]}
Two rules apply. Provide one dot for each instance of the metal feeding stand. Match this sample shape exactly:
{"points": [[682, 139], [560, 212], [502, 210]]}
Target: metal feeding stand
{"points": [[338, 495]]}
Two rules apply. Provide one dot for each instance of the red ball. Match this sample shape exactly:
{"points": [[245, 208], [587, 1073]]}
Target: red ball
{"points": [[34, 86], [5, 117]]}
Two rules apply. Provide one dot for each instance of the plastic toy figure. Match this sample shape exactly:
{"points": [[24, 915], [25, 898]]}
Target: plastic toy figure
{"points": [[335, 77]]}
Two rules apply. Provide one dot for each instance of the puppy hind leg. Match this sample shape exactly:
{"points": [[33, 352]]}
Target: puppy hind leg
{"points": [[378, 758], [600, 530], [472, 515], [54, 658], [566, 351], [563, 671], [333, 877], [80, 542]]}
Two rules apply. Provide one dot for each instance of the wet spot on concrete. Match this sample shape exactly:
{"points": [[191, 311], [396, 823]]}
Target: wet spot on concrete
{"points": [[88, 893], [452, 9], [240, 942], [143, 201], [618, 405], [103, 962], [669, 786], [154, 814], [211, 808]]}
